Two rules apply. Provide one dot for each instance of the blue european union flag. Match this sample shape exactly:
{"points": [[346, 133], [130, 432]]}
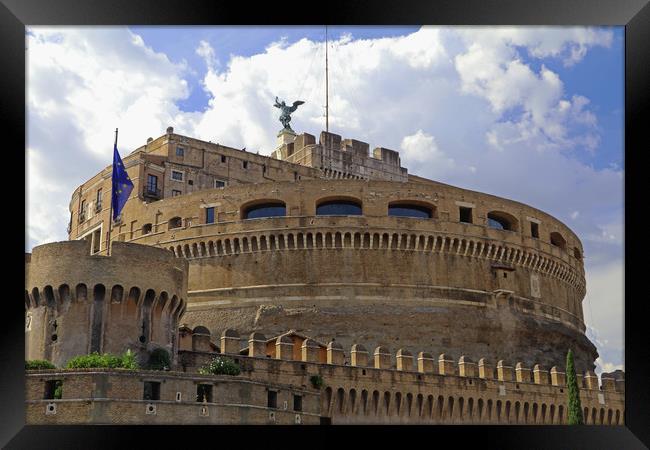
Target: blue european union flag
{"points": [[122, 185]]}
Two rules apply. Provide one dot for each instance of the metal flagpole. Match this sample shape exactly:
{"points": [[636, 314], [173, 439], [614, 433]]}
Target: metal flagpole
{"points": [[327, 83], [110, 217]]}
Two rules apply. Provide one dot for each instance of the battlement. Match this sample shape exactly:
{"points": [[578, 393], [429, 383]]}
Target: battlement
{"points": [[291, 344], [341, 158]]}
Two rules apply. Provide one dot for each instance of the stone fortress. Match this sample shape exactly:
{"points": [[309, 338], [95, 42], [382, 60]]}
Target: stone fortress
{"points": [[456, 306]]}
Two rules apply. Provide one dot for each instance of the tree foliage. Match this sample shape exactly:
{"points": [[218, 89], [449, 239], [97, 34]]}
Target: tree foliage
{"points": [[95, 360], [575, 408], [38, 364], [220, 365], [159, 359]]}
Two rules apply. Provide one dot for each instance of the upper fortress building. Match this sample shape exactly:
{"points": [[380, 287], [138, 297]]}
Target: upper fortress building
{"points": [[341, 243]]}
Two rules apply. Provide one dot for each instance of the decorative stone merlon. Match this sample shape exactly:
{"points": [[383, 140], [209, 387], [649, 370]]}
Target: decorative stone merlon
{"points": [[557, 378], [310, 350], [608, 384], [284, 348], [540, 376], [446, 365], [335, 353], [426, 363], [359, 355], [485, 369], [466, 367], [257, 345], [504, 372], [404, 360], [522, 374], [382, 358], [230, 342], [591, 380]]}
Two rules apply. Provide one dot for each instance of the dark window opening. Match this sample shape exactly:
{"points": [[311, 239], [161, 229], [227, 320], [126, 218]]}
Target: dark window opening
{"points": [[465, 214], [264, 169], [219, 183], [245, 164], [151, 390], [534, 230], [204, 393], [265, 210], [180, 151], [209, 215], [339, 208], [190, 182], [557, 240], [272, 399], [178, 176], [98, 206], [297, 402], [146, 228], [404, 210], [500, 221], [175, 222], [53, 390], [152, 183], [223, 158]]}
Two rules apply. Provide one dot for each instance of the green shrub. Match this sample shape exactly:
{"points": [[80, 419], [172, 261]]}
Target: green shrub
{"points": [[159, 359], [220, 365], [317, 381], [38, 364], [95, 360], [58, 391]]}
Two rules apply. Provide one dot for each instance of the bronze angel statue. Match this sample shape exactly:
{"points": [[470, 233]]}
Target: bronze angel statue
{"points": [[285, 118]]}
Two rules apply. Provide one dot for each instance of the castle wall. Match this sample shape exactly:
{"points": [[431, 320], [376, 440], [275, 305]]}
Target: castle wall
{"points": [[77, 303]]}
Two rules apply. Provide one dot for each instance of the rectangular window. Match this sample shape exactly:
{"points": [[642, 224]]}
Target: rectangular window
{"points": [[465, 214], [176, 192], [204, 393], [99, 198], [297, 402], [219, 183], [180, 151], [152, 183], [209, 215], [151, 390], [223, 158], [53, 389], [176, 175], [190, 182], [245, 164], [97, 241], [272, 399], [534, 230]]}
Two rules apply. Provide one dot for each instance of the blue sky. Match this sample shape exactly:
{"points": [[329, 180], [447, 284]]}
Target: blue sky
{"points": [[534, 114]]}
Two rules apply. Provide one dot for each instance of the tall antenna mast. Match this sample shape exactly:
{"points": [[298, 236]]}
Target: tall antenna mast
{"points": [[327, 82]]}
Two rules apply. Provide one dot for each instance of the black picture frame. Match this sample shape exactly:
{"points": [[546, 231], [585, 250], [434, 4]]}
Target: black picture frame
{"points": [[633, 14]]}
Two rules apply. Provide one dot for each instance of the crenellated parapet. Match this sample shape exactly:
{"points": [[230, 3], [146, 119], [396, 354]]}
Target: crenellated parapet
{"points": [[486, 391], [77, 303]]}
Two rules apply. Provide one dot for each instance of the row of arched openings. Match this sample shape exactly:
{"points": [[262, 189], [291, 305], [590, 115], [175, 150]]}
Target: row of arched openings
{"points": [[452, 409]]}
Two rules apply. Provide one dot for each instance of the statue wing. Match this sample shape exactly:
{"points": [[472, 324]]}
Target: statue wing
{"points": [[296, 104], [277, 103]]}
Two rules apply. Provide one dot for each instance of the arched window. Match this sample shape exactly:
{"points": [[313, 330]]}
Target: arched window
{"points": [[419, 211], [343, 207], [266, 209], [174, 222], [146, 228], [558, 240], [502, 221]]}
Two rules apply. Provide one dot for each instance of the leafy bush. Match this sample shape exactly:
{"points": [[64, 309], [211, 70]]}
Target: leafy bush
{"points": [[220, 365], [58, 391], [159, 359], [317, 381], [38, 364], [95, 360]]}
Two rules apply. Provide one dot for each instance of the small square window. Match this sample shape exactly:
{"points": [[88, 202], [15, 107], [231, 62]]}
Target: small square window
{"points": [[209, 215], [176, 175], [151, 390], [297, 402], [219, 183], [204, 393], [272, 399], [465, 214], [176, 192], [190, 182], [534, 230], [180, 151], [53, 390]]}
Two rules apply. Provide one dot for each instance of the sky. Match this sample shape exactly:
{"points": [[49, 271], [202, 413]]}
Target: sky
{"points": [[533, 114]]}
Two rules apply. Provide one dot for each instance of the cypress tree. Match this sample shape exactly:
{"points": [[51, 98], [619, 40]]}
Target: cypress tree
{"points": [[575, 408]]}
